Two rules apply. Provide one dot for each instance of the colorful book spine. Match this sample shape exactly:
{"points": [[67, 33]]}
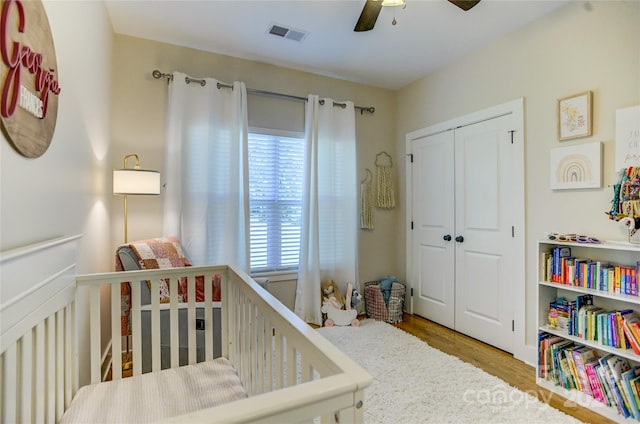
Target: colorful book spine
{"points": [[560, 267], [594, 381]]}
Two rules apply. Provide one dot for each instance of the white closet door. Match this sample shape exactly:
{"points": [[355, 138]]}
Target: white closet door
{"points": [[462, 249], [484, 244], [433, 226]]}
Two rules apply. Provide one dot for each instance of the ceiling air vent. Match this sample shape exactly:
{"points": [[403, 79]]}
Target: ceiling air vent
{"points": [[286, 32]]}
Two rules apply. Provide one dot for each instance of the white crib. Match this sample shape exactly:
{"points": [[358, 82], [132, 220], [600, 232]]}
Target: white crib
{"points": [[289, 372]]}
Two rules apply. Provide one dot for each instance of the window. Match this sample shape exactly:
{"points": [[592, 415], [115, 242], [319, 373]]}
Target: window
{"points": [[276, 172]]}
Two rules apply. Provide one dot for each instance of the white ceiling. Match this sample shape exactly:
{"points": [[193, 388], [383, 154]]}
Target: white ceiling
{"points": [[428, 35]]}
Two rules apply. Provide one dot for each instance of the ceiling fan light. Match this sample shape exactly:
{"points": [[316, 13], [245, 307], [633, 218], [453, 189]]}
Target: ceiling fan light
{"points": [[393, 3]]}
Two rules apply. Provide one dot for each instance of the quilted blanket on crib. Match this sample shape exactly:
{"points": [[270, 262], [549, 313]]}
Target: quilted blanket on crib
{"points": [[160, 253], [158, 395]]}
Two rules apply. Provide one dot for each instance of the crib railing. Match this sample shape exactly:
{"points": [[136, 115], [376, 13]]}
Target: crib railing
{"points": [[110, 283], [38, 356], [291, 373]]}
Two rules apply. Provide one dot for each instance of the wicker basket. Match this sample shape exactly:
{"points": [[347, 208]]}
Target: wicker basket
{"points": [[377, 308]]}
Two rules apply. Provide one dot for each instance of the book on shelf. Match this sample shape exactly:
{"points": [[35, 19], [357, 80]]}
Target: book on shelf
{"points": [[603, 378], [559, 314], [627, 376], [611, 379], [562, 374], [630, 322], [583, 303], [546, 359], [582, 356], [559, 266], [571, 366], [635, 388], [615, 366]]}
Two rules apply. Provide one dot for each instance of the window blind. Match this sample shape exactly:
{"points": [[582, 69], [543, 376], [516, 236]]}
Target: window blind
{"points": [[275, 201]]}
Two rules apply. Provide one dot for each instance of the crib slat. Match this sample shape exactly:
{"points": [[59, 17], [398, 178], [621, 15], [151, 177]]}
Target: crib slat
{"points": [[94, 333], [270, 340], [116, 334], [136, 327], [291, 364], [191, 319], [225, 321], [26, 352], [244, 344], [39, 353], [173, 323], [155, 325], [306, 369], [208, 319], [278, 360], [59, 364], [50, 355], [71, 369], [251, 348], [260, 355], [8, 412], [255, 366]]}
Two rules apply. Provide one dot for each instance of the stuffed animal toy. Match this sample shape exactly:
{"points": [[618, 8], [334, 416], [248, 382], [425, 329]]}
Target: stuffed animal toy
{"points": [[331, 295], [333, 305], [356, 298]]}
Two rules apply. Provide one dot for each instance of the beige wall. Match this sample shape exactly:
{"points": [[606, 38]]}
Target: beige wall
{"points": [[67, 191], [138, 117], [582, 46]]}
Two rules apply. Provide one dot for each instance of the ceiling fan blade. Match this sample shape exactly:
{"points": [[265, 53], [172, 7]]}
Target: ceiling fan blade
{"points": [[369, 15], [465, 4]]}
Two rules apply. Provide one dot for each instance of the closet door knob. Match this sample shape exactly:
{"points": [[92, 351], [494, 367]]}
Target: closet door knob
{"points": [[447, 237], [459, 239]]}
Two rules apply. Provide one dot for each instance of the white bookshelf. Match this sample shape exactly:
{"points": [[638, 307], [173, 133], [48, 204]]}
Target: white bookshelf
{"points": [[615, 253]]}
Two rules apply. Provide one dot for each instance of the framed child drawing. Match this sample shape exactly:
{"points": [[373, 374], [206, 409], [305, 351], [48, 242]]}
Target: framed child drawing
{"points": [[574, 116]]}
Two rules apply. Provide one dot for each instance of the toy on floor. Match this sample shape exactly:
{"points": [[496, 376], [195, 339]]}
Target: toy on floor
{"points": [[333, 304], [331, 294], [356, 298]]}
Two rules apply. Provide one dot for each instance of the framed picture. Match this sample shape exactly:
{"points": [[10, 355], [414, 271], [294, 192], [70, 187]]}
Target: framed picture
{"points": [[574, 116], [576, 167], [627, 137]]}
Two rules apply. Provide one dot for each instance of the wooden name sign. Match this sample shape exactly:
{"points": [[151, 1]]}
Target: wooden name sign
{"points": [[28, 82]]}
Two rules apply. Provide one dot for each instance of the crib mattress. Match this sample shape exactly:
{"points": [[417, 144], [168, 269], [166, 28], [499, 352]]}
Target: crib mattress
{"points": [[155, 396]]}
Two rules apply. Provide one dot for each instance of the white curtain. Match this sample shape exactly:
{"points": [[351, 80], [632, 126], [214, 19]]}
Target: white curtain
{"points": [[330, 213], [206, 200]]}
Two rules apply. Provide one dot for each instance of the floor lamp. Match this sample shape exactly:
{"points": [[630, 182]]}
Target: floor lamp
{"points": [[136, 181]]}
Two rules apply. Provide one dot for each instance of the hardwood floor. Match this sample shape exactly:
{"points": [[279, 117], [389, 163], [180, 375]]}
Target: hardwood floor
{"points": [[494, 361]]}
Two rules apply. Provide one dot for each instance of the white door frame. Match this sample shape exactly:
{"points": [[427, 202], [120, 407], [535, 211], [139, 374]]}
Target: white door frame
{"points": [[515, 107]]}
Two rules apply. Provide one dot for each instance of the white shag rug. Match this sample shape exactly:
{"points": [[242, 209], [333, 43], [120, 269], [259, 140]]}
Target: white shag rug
{"points": [[415, 383]]}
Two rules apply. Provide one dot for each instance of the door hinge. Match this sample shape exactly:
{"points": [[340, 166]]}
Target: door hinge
{"points": [[411, 292], [513, 231], [410, 156], [513, 325], [412, 225], [511, 132]]}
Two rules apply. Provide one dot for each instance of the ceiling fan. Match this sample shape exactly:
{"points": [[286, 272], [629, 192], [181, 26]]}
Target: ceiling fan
{"points": [[372, 9]]}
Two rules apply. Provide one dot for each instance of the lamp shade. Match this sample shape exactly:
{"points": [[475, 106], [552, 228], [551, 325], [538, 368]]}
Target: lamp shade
{"points": [[136, 181]]}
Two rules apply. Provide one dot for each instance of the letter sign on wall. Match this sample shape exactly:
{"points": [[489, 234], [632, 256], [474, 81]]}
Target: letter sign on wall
{"points": [[29, 80]]}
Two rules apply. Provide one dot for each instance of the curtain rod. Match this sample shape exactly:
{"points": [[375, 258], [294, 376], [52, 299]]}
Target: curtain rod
{"points": [[157, 75]]}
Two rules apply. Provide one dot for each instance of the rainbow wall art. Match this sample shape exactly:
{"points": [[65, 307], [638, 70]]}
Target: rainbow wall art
{"points": [[576, 167]]}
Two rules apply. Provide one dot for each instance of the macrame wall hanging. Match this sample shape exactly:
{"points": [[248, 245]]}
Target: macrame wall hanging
{"points": [[385, 197], [366, 201]]}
